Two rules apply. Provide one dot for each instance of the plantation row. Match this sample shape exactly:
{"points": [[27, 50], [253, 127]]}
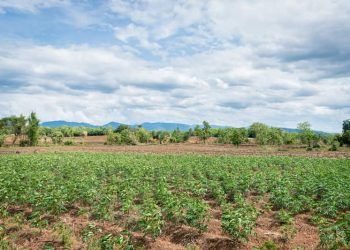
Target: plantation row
{"points": [[147, 193]]}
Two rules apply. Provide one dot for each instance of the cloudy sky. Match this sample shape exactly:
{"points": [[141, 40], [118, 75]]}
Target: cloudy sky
{"points": [[231, 62]]}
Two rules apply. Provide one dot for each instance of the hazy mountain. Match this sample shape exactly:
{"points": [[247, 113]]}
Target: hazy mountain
{"points": [[55, 124], [169, 126], [112, 124]]}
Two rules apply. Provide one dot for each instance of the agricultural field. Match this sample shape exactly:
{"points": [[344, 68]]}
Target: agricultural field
{"points": [[79, 200]]}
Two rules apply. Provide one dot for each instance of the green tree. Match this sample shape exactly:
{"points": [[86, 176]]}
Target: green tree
{"points": [[205, 131], [197, 131], [128, 137], [306, 135], [121, 127], [346, 125], [57, 136], [143, 136], [260, 132], [275, 136], [14, 125], [346, 137], [238, 136], [2, 138], [33, 129]]}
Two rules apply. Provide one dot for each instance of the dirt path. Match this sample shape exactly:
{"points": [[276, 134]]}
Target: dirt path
{"points": [[183, 148]]}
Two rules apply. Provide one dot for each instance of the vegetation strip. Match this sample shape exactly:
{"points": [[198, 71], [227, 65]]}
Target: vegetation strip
{"points": [[144, 195]]}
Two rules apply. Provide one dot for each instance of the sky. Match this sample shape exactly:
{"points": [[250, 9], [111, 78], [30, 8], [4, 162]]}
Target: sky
{"points": [[230, 62]]}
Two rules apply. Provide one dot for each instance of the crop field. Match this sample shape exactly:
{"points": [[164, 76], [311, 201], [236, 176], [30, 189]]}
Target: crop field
{"points": [[149, 201]]}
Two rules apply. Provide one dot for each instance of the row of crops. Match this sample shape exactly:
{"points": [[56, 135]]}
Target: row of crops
{"points": [[174, 189]]}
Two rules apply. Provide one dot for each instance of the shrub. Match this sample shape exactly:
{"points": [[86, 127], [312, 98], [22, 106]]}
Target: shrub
{"points": [[33, 129], [2, 139], [238, 136], [24, 143], [69, 143], [143, 136], [128, 137], [346, 137], [57, 137]]}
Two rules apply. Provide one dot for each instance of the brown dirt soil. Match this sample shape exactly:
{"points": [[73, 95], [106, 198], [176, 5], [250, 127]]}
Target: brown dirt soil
{"points": [[306, 236], [183, 148], [27, 236]]}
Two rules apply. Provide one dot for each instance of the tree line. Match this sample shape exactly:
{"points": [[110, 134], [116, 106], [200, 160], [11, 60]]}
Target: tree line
{"points": [[27, 131]]}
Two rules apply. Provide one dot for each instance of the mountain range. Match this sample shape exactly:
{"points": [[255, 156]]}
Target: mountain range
{"points": [[169, 126], [147, 125]]}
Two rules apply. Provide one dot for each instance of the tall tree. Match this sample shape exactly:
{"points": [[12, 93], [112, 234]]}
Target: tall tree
{"points": [[33, 129], [306, 134], [14, 125], [205, 131], [260, 132], [346, 125]]}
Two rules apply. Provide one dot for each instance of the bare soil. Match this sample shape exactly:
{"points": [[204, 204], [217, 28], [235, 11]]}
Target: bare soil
{"points": [[184, 148], [26, 235]]}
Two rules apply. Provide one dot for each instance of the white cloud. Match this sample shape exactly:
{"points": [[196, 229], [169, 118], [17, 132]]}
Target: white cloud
{"points": [[229, 62], [30, 6]]}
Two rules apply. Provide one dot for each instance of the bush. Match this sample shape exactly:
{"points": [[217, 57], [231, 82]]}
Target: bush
{"points": [[143, 136], [128, 137], [2, 139], [334, 147], [346, 137], [69, 143], [24, 143], [57, 137], [238, 136]]}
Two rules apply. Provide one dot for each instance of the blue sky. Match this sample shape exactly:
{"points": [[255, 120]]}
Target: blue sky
{"points": [[231, 62]]}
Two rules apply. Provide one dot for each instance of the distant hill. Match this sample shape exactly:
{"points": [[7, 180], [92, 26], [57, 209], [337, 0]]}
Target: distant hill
{"points": [[169, 126], [165, 126], [55, 124], [295, 130], [112, 124]]}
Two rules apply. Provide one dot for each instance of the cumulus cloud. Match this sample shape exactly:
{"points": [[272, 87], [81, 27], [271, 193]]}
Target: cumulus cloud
{"points": [[229, 62]]}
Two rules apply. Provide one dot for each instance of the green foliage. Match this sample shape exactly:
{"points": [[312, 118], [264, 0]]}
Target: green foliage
{"points": [[112, 138], [269, 245], [306, 135], [284, 218], [346, 137], [57, 137], [346, 125], [2, 139], [239, 221], [162, 136], [128, 137], [24, 143], [122, 127], [146, 192], [260, 132], [197, 130], [336, 235], [238, 136], [33, 129], [334, 146], [269, 135], [14, 125], [69, 143], [142, 135], [205, 133]]}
